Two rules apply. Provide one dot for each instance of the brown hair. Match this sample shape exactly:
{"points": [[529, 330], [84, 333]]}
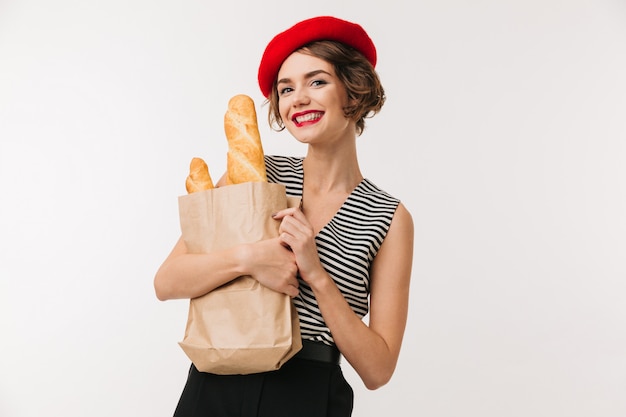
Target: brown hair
{"points": [[354, 71]]}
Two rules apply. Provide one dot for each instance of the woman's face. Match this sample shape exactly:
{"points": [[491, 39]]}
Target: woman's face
{"points": [[311, 100]]}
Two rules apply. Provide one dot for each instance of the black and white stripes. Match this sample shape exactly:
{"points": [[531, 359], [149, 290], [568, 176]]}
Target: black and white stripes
{"points": [[347, 245]]}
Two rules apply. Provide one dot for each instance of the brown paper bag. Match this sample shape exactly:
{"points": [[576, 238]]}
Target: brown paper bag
{"points": [[241, 327]]}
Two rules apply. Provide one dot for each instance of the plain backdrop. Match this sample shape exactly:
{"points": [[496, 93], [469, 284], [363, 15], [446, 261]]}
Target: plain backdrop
{"points": [[504, 134]]}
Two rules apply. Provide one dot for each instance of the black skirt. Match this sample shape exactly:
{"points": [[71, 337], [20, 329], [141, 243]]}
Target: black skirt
{"points": [[300, 388]]}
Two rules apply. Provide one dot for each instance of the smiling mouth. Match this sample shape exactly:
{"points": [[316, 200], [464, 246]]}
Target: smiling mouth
{"points": [[307, 118]]}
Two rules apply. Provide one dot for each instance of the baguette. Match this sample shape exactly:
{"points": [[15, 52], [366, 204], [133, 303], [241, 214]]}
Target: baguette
{"points": [[199, 178], [245, 159]]}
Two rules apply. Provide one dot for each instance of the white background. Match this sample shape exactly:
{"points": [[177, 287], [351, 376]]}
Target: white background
{"points": [[504, 134]]}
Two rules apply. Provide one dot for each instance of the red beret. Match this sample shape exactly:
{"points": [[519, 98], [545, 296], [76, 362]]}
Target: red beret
{"points": [[302, 33]]}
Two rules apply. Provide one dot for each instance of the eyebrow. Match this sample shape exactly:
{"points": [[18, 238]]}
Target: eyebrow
{"points": [[307, 76]]}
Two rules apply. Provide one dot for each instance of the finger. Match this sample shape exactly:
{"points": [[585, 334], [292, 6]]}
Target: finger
{"points": [[286, 239], [296, 228], [284, 243], [291, 211], [292, 291], [290, 287]]}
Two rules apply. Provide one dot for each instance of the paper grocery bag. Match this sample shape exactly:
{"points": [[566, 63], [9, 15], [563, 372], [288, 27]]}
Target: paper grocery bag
{"points": [[241, 327]]}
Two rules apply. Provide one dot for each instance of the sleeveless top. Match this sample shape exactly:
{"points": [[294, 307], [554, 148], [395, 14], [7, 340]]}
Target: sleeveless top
{"points": [[346, 245]]}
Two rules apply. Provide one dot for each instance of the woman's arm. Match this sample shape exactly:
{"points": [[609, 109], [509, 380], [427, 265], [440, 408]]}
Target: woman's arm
{"points": [[186, 275], [375, 351], [371, 350]]}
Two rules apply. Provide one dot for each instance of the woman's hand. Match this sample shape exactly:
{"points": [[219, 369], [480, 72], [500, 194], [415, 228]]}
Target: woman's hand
{"points": [[296, 233], [272, 264]]}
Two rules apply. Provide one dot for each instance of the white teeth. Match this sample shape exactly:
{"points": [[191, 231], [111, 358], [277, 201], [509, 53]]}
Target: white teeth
{"points": [[308, 117]]}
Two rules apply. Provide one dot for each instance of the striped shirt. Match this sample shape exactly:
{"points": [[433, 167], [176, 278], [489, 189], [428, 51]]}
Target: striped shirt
{"points": [[346, 245]]}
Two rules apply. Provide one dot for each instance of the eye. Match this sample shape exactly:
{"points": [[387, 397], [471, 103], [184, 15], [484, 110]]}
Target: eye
{"points": [[285, 90], [318, 83]]}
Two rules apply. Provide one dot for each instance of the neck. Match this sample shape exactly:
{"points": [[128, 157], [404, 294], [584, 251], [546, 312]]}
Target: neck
{"points": [[332, 170]]}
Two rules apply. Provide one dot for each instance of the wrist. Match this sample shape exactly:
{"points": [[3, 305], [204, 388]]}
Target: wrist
{"points": [[319, 281], [241, 254]]}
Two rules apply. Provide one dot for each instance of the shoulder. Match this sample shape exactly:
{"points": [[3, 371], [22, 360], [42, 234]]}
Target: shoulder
{"points": [[402, 219], [401, 227], [376, 198], [280, 160], [285, 170], [399, 242], [401, 234]]}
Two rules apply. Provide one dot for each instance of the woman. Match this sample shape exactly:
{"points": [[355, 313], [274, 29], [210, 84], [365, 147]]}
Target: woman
{"points": [[348, 243]]}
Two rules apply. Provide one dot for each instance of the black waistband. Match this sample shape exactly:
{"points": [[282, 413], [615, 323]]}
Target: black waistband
{"points": [[318, 351]]}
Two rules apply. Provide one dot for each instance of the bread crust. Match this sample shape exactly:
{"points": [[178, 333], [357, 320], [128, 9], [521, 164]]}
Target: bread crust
{"points": [[199, 178], [245, 159]]}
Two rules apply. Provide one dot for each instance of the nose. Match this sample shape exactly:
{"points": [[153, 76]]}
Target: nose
{"points": [[300, 97]]}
